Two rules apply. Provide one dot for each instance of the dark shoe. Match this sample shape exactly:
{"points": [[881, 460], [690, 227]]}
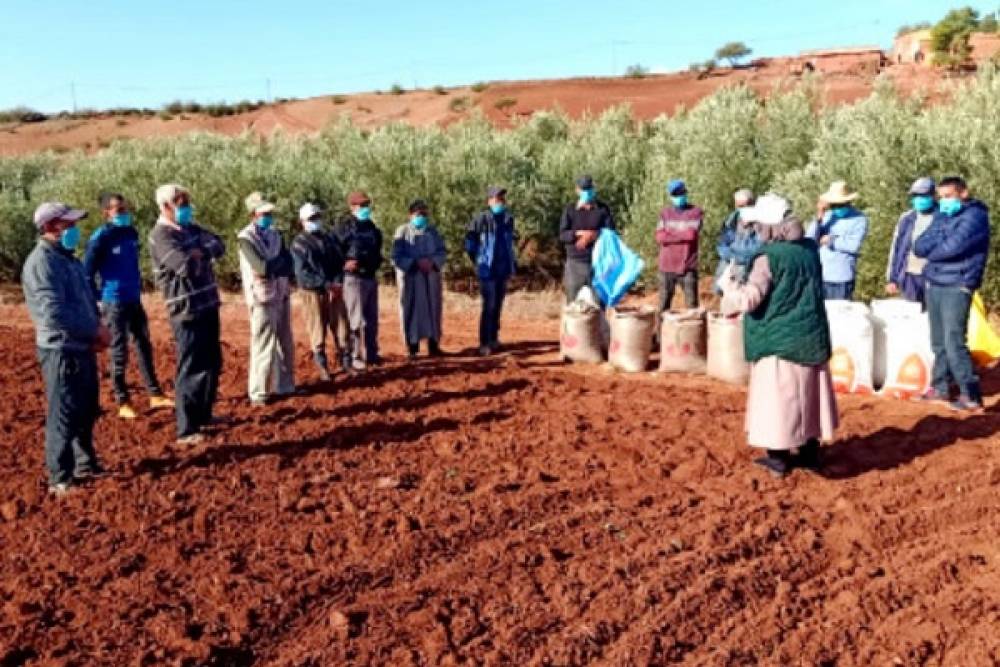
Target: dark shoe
{"points": [[485, 351], [411, 350], [777, 462], [966, 404], [810, 456], [495, 346], [433, 349]]}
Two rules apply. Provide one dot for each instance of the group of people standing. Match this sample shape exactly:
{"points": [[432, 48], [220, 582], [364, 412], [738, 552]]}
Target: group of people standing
{"points": [[772, 267], [82, 308], [778, 272]]}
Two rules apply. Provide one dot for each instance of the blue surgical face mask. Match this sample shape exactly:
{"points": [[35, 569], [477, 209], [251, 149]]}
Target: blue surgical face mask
{"points": [[923, 203], [313, 226], [587, 196], [498, 208], [680, 201], [364, 213], [419, 221], [121, 219], [70, 238], [840, 212], [184, 215], [950, 205], [265, 221]]}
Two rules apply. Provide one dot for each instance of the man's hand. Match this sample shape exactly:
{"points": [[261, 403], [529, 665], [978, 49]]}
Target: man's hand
{"points": [[103, 338], [351, 265], [821, 207], [825, 240], [425, 265], [892, 289], [196, 254], [585, 238]]}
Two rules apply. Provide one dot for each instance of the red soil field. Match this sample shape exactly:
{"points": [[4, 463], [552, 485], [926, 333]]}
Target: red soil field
{"points": [[506, 511]]}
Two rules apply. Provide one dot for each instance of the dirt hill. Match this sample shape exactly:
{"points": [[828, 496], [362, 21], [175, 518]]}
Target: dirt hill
{"points": [[501, 102]]}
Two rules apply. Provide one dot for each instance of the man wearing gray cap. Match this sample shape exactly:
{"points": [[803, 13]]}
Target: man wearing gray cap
{"points": [[489, 242], [68, 334], [579, 228], [904, 275]]}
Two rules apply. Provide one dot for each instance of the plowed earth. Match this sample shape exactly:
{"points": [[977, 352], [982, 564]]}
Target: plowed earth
{"points": [[507, 511]]}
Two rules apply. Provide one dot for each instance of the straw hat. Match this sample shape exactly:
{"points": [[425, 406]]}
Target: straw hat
{"points": [[838, 193]]}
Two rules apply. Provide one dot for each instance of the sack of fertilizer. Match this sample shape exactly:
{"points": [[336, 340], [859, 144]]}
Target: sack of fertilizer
{"points": [[631, 338], [726, 356], [581, 336], [903, 356], [852, 337], [683, 342]]}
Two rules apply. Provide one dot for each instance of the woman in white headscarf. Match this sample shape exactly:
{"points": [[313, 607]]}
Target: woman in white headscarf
{"points": [[791, 405]]}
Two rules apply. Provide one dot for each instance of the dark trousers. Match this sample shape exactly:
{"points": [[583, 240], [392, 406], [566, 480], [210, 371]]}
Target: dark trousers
{"points": [[493, 293], [199, 362], [948, 312], [838, 291], [668, 283], [127, 320], [71, 389], [576, 275]]}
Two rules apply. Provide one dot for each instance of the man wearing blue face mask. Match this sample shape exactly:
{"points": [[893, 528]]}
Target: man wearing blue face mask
{"points": [[265, 270], [112, 258], [840, 229], [182, 252], [68, 334], [489, 242], [956, 247], [579, 228], [677, 234], [361, 241], [904, 275], [418, 253]]}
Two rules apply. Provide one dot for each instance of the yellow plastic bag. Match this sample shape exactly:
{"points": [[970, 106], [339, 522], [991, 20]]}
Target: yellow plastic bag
{"points": [[984, 343]]}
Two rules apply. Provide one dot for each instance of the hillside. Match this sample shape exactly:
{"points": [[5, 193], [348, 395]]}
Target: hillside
{"points": [[501, 102]]}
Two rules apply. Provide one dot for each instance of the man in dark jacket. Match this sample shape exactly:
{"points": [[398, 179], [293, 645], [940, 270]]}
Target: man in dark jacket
{"points": [[905, 273], [579, 228], [68, 333], [361, 242], [319, 273], [489, 243], [112, 256], [677, 233], [182, 252], [956, 247]]}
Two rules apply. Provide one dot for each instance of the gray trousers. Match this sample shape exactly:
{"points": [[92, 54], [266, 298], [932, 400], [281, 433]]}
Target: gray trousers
{"points": [[668, 284], [71, 389], [361, 299], [576, 275]]}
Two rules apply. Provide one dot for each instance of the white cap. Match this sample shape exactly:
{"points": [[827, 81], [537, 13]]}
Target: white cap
{"points": [[308, 211], [54, 210], [256, 203], [166, 194], [769, 210]]}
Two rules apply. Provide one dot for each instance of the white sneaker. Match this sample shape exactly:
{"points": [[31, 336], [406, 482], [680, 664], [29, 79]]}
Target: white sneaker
{"points": [[60, 490]]}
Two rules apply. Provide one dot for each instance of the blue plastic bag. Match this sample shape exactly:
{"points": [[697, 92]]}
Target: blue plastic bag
{"points": [[616, 267]]}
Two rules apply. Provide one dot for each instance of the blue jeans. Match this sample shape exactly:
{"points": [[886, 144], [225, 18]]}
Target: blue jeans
{"points": [[838, 291], [493, 293], [71, 389], [948, 312]]}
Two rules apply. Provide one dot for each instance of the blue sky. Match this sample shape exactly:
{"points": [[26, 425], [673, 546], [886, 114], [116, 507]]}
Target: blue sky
{"points": [[149, 52]]}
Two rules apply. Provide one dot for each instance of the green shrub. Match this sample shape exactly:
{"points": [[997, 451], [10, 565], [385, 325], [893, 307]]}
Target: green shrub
{"points": [[505, 103], [339, 99], [396, 89], [440, 90], [479, 87], [22, 115], [459, 104]]}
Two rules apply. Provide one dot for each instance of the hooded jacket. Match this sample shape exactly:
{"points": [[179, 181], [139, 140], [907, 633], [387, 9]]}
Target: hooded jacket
{"points": [[956, 247], [489, 242], [840, 256]]}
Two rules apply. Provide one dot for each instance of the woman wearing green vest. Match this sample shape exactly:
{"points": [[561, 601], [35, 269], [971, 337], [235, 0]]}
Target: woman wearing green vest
{"points": [[791, 405]]}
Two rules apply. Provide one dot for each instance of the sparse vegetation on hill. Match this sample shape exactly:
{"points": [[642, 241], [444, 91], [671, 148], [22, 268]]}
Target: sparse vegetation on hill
{"points": [[636, 71], [734, 52]]}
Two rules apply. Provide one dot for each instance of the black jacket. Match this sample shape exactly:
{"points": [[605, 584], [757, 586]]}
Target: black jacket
{"points": [[318, 259], [361, 240], [574, 220], [187, 283]]}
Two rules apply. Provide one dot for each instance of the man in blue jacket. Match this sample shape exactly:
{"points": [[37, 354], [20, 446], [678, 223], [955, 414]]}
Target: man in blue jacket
{"points": [[956, 247], [68, 334], [112, 257], [840, 229], [489, 243], [905, 273]]}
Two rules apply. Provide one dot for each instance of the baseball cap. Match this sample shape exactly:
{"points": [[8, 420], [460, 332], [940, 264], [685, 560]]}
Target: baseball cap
{"points": [[585, 182], [495, 191], [358, 198], [256, 203], [309, 211], [676, 187], [54, 210], [923, 186]]}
